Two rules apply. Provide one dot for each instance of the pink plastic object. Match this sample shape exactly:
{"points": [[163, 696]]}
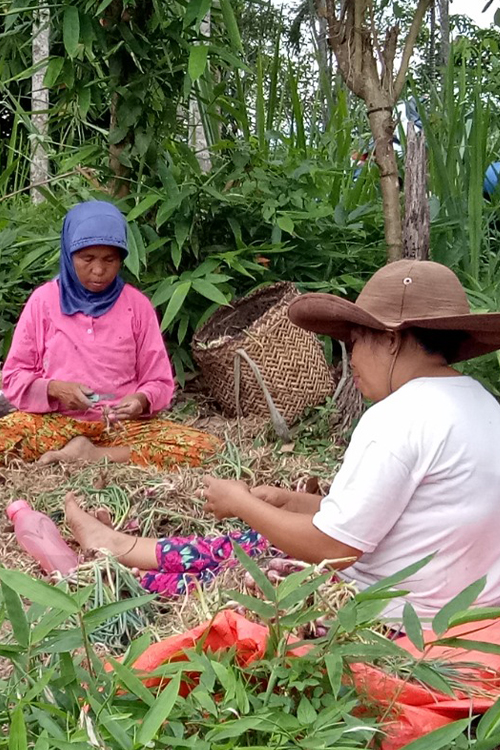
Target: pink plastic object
{"points": [[40, 538]]}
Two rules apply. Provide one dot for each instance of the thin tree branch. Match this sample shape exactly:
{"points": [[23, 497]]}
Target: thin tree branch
{"points": [[38, 184], [420, 12]]}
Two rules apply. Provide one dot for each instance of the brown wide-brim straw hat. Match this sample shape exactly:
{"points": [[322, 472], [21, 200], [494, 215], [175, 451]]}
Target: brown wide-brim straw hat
{"points": [[404, 294]]}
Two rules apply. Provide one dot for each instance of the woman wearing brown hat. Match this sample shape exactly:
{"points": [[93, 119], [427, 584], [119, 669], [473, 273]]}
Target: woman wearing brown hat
{"points": [[422, 472]]}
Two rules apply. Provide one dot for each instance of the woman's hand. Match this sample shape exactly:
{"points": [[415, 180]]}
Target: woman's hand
{"points": [[130, 407], [223, 497], [70, 395], [276, 496]]}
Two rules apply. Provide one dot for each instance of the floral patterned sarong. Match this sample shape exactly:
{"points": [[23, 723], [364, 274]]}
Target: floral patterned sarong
{"points": [[184, 560]]}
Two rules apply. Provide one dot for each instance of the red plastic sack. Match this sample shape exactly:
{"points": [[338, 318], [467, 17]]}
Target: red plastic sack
{"points": [[414, 711], [418, 710]]}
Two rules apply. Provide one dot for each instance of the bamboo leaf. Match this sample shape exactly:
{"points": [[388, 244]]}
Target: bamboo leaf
{"points": [[413, 627], [17, 615], [402, 575], [38, 591], [433, 679], [231, 25], [439, 737], [476, 614], [132, 259], [483, 646], [102, 7], [96, 616], [196, 11], [144, 205], [210, 291], [71, 30], [302, 592], [260, 118], [52, 73], [132, 683], [257, 574], [197, 62], [459, 603], [297, 111], [18, 739], [490, 722], [263, 609], [164, 291], [159, 711], [176, 301], [286, 224], [234, 728], [334, 669]]}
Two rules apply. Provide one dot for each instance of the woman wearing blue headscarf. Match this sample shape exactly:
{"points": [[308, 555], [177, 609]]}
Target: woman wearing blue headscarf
{"points": [[88, 368]]}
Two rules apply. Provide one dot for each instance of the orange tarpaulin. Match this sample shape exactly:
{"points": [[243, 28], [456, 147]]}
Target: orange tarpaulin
{"points": [[415, 710]]}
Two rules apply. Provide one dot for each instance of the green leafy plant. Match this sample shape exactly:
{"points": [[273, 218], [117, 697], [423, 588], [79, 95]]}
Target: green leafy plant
{"points": [[58, 694]]}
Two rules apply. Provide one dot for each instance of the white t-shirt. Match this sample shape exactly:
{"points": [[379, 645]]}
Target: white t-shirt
{"points": [[422, 475]]}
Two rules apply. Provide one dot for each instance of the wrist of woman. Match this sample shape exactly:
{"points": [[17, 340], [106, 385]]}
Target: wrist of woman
{"points": [[53, 389], [144, 401]]}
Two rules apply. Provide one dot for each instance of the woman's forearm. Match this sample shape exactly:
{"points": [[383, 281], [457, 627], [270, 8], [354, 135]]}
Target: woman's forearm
{"points": [[294, 532], [303, 502]]}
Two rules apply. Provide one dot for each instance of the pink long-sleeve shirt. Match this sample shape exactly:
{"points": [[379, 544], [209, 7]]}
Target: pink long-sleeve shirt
{"points": [[119, 353]]}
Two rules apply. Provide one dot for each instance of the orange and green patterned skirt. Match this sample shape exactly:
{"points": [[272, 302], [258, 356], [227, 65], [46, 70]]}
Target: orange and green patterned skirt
{"points": [[152, 442]]}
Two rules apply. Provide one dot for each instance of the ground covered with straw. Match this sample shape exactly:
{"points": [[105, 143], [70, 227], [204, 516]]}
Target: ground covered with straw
{"points": [[150, 503]]}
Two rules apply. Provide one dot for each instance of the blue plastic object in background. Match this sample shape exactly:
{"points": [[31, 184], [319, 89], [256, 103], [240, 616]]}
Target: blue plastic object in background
{"points": [[491, 176]]}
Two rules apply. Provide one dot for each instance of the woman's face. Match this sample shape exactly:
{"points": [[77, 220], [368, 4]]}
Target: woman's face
{"points": [[371, 359], [97, 266]]}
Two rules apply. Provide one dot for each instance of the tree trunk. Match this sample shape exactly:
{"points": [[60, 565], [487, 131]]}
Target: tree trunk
{"points": [[417, 214], [432, 44], [382, 126], [367, 67], [320, 39], [39, 168], [120, 186], [196, 129], [444, 20]]}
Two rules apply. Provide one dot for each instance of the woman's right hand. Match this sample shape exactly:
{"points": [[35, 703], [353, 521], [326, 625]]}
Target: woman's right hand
{"points": [[276, 496], [70, 395]]}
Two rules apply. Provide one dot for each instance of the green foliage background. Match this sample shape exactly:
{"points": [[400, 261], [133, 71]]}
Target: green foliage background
{"points": [[283, 198]]}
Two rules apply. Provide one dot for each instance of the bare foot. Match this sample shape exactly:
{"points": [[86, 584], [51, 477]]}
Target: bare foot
{"points": [[91, 533], [134, 552], [78, 449]]}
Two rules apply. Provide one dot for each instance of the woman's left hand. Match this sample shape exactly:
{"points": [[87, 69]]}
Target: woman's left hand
{"points": [[130, 407], [223, 497]]}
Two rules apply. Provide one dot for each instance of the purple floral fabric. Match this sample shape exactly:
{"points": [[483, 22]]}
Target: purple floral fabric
{"points": [[182, 560]]}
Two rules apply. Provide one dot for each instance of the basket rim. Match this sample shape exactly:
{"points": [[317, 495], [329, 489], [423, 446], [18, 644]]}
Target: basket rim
{"points": [[197, 339]]}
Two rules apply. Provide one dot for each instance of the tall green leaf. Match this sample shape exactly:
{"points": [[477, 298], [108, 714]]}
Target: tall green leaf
{"points": [[459, 603], [231, 25], [298, 115], [132, 683], [210, 291], [176, 301], [38, 591], [197, 62], [439, 738], [71, 29], [260, 118], [412, 626], [159, 711], [18, 739], [17, 615]]}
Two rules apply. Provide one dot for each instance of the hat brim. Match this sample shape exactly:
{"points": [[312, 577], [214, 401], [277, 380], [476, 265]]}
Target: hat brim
{"points": [[336, 317]]}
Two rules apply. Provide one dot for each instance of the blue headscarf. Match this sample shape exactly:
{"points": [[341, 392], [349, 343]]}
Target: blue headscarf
{"points": [[89, 223]]}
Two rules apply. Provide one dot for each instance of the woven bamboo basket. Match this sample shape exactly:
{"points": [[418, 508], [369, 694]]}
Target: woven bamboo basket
{"points": [[255, 334]]}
